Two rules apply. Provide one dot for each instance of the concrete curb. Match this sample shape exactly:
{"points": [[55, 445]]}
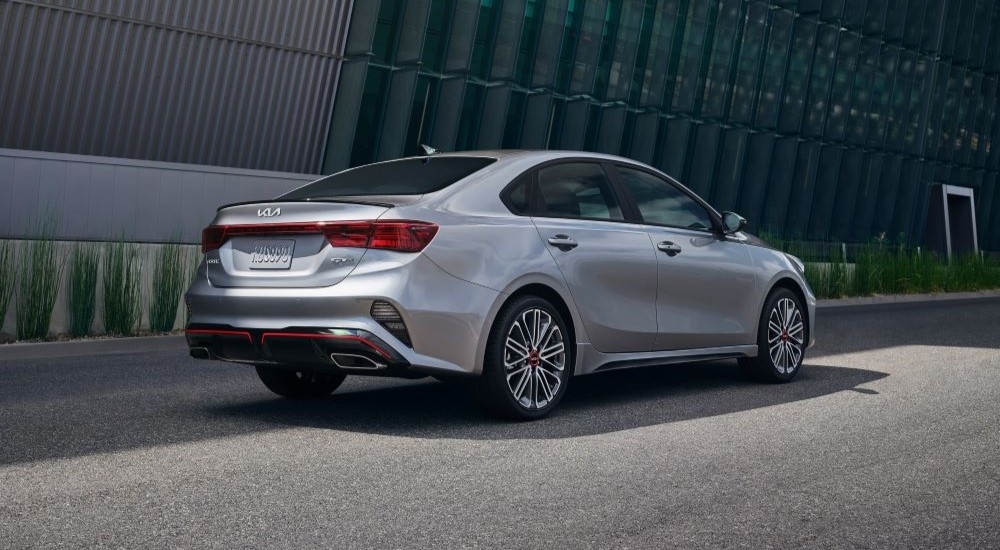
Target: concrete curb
{"points": [[107, 346], [104, 346], [904, 299]]}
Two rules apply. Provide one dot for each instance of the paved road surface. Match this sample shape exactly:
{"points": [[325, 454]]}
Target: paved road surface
{"points": [[890, 438]]}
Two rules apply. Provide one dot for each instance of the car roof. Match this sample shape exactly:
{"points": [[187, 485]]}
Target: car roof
{"points": [[501, 153], [539, 154]]}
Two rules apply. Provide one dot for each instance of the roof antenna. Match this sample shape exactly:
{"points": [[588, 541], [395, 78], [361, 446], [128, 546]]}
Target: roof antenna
{"points": [[428, 152]]}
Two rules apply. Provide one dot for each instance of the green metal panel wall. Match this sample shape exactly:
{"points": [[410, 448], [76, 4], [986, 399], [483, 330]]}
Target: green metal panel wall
{"points": [[818, 119]]}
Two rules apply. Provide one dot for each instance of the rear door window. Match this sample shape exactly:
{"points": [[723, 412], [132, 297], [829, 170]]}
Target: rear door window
{"points": [[577, 190]]}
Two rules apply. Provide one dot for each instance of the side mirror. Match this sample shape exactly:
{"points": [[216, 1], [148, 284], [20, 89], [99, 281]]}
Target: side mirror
{"points": [[733, 222]]}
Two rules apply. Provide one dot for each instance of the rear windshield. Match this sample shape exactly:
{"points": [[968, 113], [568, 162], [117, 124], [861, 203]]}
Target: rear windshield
{"points": [[399, 177]]}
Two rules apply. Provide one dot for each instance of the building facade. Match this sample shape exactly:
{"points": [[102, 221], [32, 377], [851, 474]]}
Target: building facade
{"points": [[816, 119], [236, 83]]}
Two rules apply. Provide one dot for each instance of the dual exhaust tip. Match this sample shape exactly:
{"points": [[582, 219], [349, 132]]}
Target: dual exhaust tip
{"points": [[352, 361]]}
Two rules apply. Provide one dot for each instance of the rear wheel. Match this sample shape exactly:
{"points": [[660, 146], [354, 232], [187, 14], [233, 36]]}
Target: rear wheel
{"points": [[295, 384], [528, 360], [782, 336]]}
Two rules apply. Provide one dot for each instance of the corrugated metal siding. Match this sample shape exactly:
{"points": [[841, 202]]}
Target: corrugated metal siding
{"points": [[238, 83], [302, 24]]}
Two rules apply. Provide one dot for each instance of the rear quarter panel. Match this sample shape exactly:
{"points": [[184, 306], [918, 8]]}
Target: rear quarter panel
{"points": [[501, 253], [480, 241]]}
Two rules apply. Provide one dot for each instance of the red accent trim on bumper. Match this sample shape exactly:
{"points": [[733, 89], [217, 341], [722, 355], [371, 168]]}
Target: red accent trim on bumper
{"points": [[220, 332]]}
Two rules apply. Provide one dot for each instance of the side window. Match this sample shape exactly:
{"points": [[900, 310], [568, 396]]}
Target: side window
{"points": [[577, 190], [517, 197], [661, 203]]}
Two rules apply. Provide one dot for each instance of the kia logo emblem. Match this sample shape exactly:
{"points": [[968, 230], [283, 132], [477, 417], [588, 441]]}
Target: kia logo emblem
{"points": [[268, 212]]}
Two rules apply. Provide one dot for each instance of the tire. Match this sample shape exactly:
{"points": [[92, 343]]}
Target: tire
{"points": [[528, 344], [782, 337], [295, 384]]}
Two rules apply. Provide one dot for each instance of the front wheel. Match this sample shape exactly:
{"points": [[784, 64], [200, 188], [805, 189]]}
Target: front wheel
{"points": [[782, 336], [295, 384], [528, 360]]}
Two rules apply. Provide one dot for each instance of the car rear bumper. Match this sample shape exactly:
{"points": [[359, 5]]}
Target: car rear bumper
{"points": [[348, 350], [444, 316]]}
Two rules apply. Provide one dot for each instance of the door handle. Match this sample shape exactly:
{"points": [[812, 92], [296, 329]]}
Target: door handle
{"points": [[563, 242], [670, 248]]}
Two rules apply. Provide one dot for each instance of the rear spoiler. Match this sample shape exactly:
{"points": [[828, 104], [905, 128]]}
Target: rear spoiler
{"points": [[342, 201]]}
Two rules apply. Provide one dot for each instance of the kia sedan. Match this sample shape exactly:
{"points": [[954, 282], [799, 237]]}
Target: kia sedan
{"points": [[515, 269]]}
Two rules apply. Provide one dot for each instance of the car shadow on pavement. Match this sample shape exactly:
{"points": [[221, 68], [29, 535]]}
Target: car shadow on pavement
{"points": [[595, 404]]}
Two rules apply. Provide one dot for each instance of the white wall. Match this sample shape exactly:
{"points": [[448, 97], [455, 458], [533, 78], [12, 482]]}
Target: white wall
{"points": [[102, 198]]}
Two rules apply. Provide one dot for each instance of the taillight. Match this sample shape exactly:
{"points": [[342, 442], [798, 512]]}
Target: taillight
{"points": [[348, 235], [397, 235], [402, 236], [212, 237]]}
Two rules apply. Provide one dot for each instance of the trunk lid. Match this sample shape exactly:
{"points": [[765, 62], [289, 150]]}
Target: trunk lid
{"points": [[287, 244]]}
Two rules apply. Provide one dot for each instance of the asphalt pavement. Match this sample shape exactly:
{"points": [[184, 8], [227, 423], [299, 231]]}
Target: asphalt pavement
{"points": [[889, 438]]}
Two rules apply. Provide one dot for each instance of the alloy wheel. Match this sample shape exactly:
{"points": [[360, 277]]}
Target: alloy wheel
{"points": [[785, 336], [534, 359]]}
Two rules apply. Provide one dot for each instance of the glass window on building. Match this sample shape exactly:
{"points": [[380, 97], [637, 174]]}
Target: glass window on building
{"points": [[716, 90], [820, 80], [661, 43], [689, 60], [745, 84], [775, 63], [698, 89]]}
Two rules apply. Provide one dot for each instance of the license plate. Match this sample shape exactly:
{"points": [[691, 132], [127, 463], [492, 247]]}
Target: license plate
{"points": [[271, 254]]}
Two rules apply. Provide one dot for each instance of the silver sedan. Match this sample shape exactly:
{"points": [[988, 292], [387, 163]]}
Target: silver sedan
{"points": [[516, 269]]}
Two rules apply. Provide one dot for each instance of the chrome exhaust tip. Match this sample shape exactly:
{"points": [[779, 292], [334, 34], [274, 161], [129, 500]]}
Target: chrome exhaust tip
{"points": [[352, 361], [200, 353]]}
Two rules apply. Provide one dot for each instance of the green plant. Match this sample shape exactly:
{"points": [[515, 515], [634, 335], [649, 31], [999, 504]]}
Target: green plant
{"points": [[194, 259], [868, 270], [881, 267], [831, 279], [39, 275], [122, 304], [8, 276], [169, 275], [82, 298], [929, 273], [972, 272], [817, 277]]}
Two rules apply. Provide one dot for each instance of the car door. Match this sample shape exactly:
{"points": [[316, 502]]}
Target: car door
{"points": [[607, 263], [706, 294]]}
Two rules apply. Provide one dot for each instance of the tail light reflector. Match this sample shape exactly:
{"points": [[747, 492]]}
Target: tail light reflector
{"points": [[397, 235], [390, 319]]}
